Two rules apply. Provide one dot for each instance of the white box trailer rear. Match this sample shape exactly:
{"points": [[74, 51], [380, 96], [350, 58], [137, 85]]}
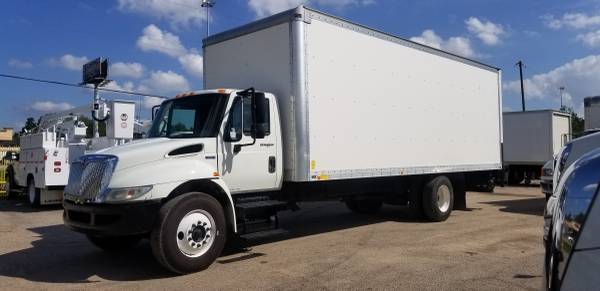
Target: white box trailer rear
{"points": [[591, 113], [532, 138], [356, 102]]}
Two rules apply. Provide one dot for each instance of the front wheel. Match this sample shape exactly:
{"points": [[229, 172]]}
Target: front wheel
{"points": [[190, 233], [33, 193], [438, 199], [10, 185]]}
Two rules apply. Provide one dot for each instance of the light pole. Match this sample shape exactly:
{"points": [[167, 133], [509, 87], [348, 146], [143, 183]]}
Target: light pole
{"points": [[562, 89], [208, 4]]}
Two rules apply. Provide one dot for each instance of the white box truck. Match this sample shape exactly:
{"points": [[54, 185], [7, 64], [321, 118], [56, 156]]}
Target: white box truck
{"points": [[531, 138], [332, 110], [591, 113]]}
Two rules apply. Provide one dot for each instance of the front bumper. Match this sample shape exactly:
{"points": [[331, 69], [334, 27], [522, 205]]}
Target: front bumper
{"points": [[111, 219]]}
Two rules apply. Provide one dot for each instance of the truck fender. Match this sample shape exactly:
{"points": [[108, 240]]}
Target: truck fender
{"points": [[214, 187]]}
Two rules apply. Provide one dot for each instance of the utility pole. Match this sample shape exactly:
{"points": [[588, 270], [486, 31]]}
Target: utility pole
{"points": [[562, 90], [208, 4], [521, 65]]}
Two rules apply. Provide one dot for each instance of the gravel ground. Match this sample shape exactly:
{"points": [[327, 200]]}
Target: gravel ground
{"points": [[494, 245]]}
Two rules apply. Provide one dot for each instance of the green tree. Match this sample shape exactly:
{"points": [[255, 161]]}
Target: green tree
{"points": [[577, 123], [30, 124]]}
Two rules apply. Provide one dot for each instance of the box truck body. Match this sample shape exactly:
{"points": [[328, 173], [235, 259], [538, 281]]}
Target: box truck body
{"points": [[299, 106], [532, 138], [356, 102], [591, 113]]}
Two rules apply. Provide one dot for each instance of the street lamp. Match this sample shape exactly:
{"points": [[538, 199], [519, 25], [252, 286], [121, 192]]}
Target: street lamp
{"points": [[562, 89], [208, 4]]}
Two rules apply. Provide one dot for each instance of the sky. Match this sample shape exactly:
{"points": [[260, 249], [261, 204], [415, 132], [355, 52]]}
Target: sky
{"points": [[155, 46]]}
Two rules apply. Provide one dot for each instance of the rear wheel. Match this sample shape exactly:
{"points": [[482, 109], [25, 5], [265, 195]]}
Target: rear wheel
{"points": [[364, 206], [33, 193], [190, 233], [438, 199], [114, 243]]}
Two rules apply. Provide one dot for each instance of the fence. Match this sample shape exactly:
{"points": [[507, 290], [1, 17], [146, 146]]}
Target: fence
{"points": [[3, 165]]}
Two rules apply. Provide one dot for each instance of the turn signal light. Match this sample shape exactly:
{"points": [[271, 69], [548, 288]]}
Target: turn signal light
{"points": [[57, 163]]}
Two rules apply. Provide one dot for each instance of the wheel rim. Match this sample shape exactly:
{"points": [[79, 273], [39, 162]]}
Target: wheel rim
{"points": [[195, 233], [443, 198], [31, 192]]}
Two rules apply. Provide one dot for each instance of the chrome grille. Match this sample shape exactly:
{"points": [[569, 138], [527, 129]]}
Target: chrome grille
{"points": [[89, 176]]}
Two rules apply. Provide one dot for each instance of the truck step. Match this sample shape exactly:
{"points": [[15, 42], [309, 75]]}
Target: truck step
{"points": [[251, 199], [264, 234], [257, 207]]}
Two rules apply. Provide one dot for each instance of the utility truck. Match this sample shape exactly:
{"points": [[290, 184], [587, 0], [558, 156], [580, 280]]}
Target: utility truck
{"points": [[592, 114], [321, 109], [531, 138], [42, 167]]}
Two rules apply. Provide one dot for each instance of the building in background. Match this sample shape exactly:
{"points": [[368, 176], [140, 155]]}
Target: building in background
{"points": [[6, 136]]}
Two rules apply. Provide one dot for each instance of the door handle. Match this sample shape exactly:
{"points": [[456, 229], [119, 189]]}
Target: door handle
{"points": [[272, 164]]}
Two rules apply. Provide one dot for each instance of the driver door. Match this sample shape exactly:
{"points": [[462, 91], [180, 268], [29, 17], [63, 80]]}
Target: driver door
{"points": [[253, 167]]}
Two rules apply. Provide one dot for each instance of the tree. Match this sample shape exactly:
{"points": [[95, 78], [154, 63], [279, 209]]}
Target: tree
{"points": [[30, 124], [577, 123]]}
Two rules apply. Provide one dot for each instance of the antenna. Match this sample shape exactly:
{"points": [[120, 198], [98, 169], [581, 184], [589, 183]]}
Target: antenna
{"points": [[208, 4]]}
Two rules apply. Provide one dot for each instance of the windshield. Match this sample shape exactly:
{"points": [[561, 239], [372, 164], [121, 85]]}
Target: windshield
{"points": [[194, 116]]}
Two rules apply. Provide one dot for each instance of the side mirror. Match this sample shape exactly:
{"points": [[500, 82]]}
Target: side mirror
{"points": [[11, 156], [261, 111], [155, 110]]}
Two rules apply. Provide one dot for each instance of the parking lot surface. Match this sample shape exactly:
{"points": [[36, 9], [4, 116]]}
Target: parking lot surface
{"points": [[494, 245]]}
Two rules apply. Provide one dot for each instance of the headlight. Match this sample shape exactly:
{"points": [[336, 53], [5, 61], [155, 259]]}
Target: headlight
{"points": [[124, 194]]}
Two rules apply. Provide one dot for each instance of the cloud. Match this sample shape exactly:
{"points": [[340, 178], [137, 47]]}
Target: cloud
{"points": [[154, 39], [488, 32], [161, 82], [20, 64], [579, 77], [129, 70], [177, 12], [69, 62], [591, 39], [193, 64], [49, 106], [114, 85], [572, 20], [150, 102], [262, 8], [458, 45]]}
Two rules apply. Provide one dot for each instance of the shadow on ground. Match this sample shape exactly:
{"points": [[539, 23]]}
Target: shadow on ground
{"points": [[21, 204], [530, 206], [62, 256]]}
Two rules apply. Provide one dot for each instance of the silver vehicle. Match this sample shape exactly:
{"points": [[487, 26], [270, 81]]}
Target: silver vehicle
{"points": [[572, 237], [546, 178]]}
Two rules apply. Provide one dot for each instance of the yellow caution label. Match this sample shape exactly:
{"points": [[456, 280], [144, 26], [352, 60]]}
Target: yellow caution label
{"points": [[313, 164]]}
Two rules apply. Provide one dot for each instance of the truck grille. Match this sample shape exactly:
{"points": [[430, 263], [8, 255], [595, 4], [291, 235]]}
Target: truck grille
{"points": [[89, 176]]}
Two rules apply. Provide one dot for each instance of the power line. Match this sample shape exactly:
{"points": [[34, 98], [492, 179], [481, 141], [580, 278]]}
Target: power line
{"points": [[80, 86]]}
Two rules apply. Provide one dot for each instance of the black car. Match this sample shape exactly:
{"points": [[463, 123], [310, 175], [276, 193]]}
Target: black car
{"points": [[572, 228]]}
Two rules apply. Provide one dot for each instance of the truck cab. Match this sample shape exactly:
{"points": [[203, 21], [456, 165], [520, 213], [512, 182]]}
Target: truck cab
{"points": [[202, 148]]}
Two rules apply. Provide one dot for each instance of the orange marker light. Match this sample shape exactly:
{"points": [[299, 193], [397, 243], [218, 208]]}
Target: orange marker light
{"points": [[215, 174], [222, 91]]}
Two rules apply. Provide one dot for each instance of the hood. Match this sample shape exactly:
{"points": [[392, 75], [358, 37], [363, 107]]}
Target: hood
{"points": [[148, 150]]}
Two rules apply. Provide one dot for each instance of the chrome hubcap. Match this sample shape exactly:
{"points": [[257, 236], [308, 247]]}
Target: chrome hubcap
{"points": [[195, 233], [443, 198]]}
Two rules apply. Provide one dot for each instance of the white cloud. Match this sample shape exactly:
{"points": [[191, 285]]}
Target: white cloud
{"points": [[488, 32], [154, 39], [264, 8], [591, 39], [49, 106], [130, 70], [161, 82], [579, 77], [193, 64], [458, 45], [572, 20], [150, 102], [177, 12], [19, 64], [114, 85], [70, 62]]}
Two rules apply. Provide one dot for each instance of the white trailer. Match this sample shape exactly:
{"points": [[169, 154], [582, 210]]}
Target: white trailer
{"points": [[332, 110], [592, 113], [532, 138], [42, 167]]}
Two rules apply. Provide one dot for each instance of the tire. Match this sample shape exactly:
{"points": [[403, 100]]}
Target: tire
{"points": [[33, 193], [364, 206], [190, 251], [551, 267], [114, 243], [438, 199], [9, 186]]}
